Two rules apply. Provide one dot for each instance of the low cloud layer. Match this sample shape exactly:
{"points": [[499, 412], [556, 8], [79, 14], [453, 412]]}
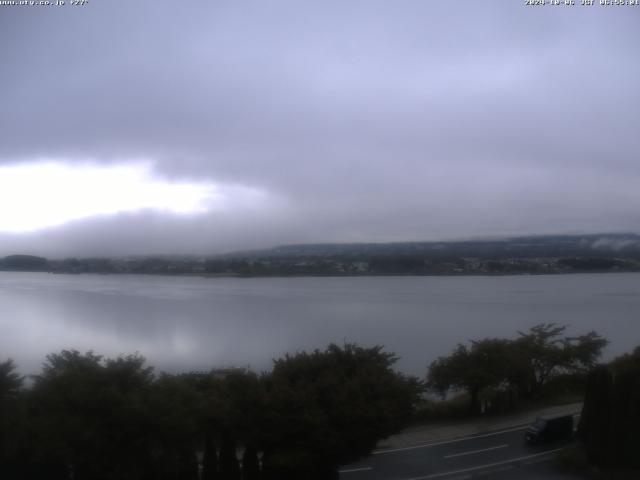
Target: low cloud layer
{"points": [[349, 121]]}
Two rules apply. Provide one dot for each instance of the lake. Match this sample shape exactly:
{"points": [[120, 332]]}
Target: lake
{"points": [[193, 323]]}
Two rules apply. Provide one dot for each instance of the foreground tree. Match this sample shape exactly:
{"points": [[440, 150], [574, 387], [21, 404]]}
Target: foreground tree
{"points": [[524, 365], [250, 464], [210, 460], [176, 406], [595, 420], [331, 407], [486, 363], [12, 435], [90, 417], [229, 465], [626, 409], [610, 417], [10, 381], [544, 353]]}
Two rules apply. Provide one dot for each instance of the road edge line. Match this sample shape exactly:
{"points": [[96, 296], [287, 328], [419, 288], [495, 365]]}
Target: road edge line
{"points": [[488, 465]]}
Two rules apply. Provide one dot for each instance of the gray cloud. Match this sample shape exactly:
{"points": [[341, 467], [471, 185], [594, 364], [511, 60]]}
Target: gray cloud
{"points": [[367, 120]]}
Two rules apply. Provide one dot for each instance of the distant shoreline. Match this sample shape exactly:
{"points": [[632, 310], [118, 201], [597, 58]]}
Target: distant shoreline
{"points": [[327, 275], [601, 253]]}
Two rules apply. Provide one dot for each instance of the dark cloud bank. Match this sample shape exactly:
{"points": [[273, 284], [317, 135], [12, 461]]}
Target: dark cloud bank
{"points": [[359, 121]]}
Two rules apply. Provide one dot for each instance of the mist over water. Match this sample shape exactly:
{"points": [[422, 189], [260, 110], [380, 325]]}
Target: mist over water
{"points": [[193, 323]]}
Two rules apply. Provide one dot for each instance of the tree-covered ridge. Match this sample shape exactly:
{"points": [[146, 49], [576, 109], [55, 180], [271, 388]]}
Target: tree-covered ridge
{"points": [[102, 419]]}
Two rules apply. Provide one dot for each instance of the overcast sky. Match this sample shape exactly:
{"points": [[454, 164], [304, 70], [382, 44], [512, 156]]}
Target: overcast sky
{"points": [[209, 126]]}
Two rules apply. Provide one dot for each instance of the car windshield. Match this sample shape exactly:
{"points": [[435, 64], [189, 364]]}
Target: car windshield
{"points": [[539, 423]]}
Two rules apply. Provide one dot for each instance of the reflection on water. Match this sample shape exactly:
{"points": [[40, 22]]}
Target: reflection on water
{"points": [[196, 323]]}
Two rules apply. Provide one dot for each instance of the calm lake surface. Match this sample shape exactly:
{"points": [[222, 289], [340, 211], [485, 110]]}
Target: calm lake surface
{"points": [[184, 323]]}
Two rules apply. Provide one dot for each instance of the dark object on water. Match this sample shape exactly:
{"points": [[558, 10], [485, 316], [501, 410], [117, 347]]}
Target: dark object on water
{"points": [[549, 429]]}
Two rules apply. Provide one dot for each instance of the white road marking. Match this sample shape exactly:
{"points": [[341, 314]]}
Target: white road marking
{"points": [[481, 467], [524, 426], [446, 442], [352, 470], [471, 452]]}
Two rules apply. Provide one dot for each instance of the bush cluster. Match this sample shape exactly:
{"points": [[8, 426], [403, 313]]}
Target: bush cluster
{"points": [[90, 418]]}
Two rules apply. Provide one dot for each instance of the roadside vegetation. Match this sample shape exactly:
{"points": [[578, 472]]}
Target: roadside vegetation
{"points": [[91, 418], [88, 417], [499, 375], [609, 444]]}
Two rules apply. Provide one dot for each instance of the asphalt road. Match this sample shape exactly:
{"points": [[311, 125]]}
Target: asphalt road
{"points": [[495, 455]]}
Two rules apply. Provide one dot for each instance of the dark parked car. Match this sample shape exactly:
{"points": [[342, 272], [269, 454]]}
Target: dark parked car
{"points": [[549, 429]]}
